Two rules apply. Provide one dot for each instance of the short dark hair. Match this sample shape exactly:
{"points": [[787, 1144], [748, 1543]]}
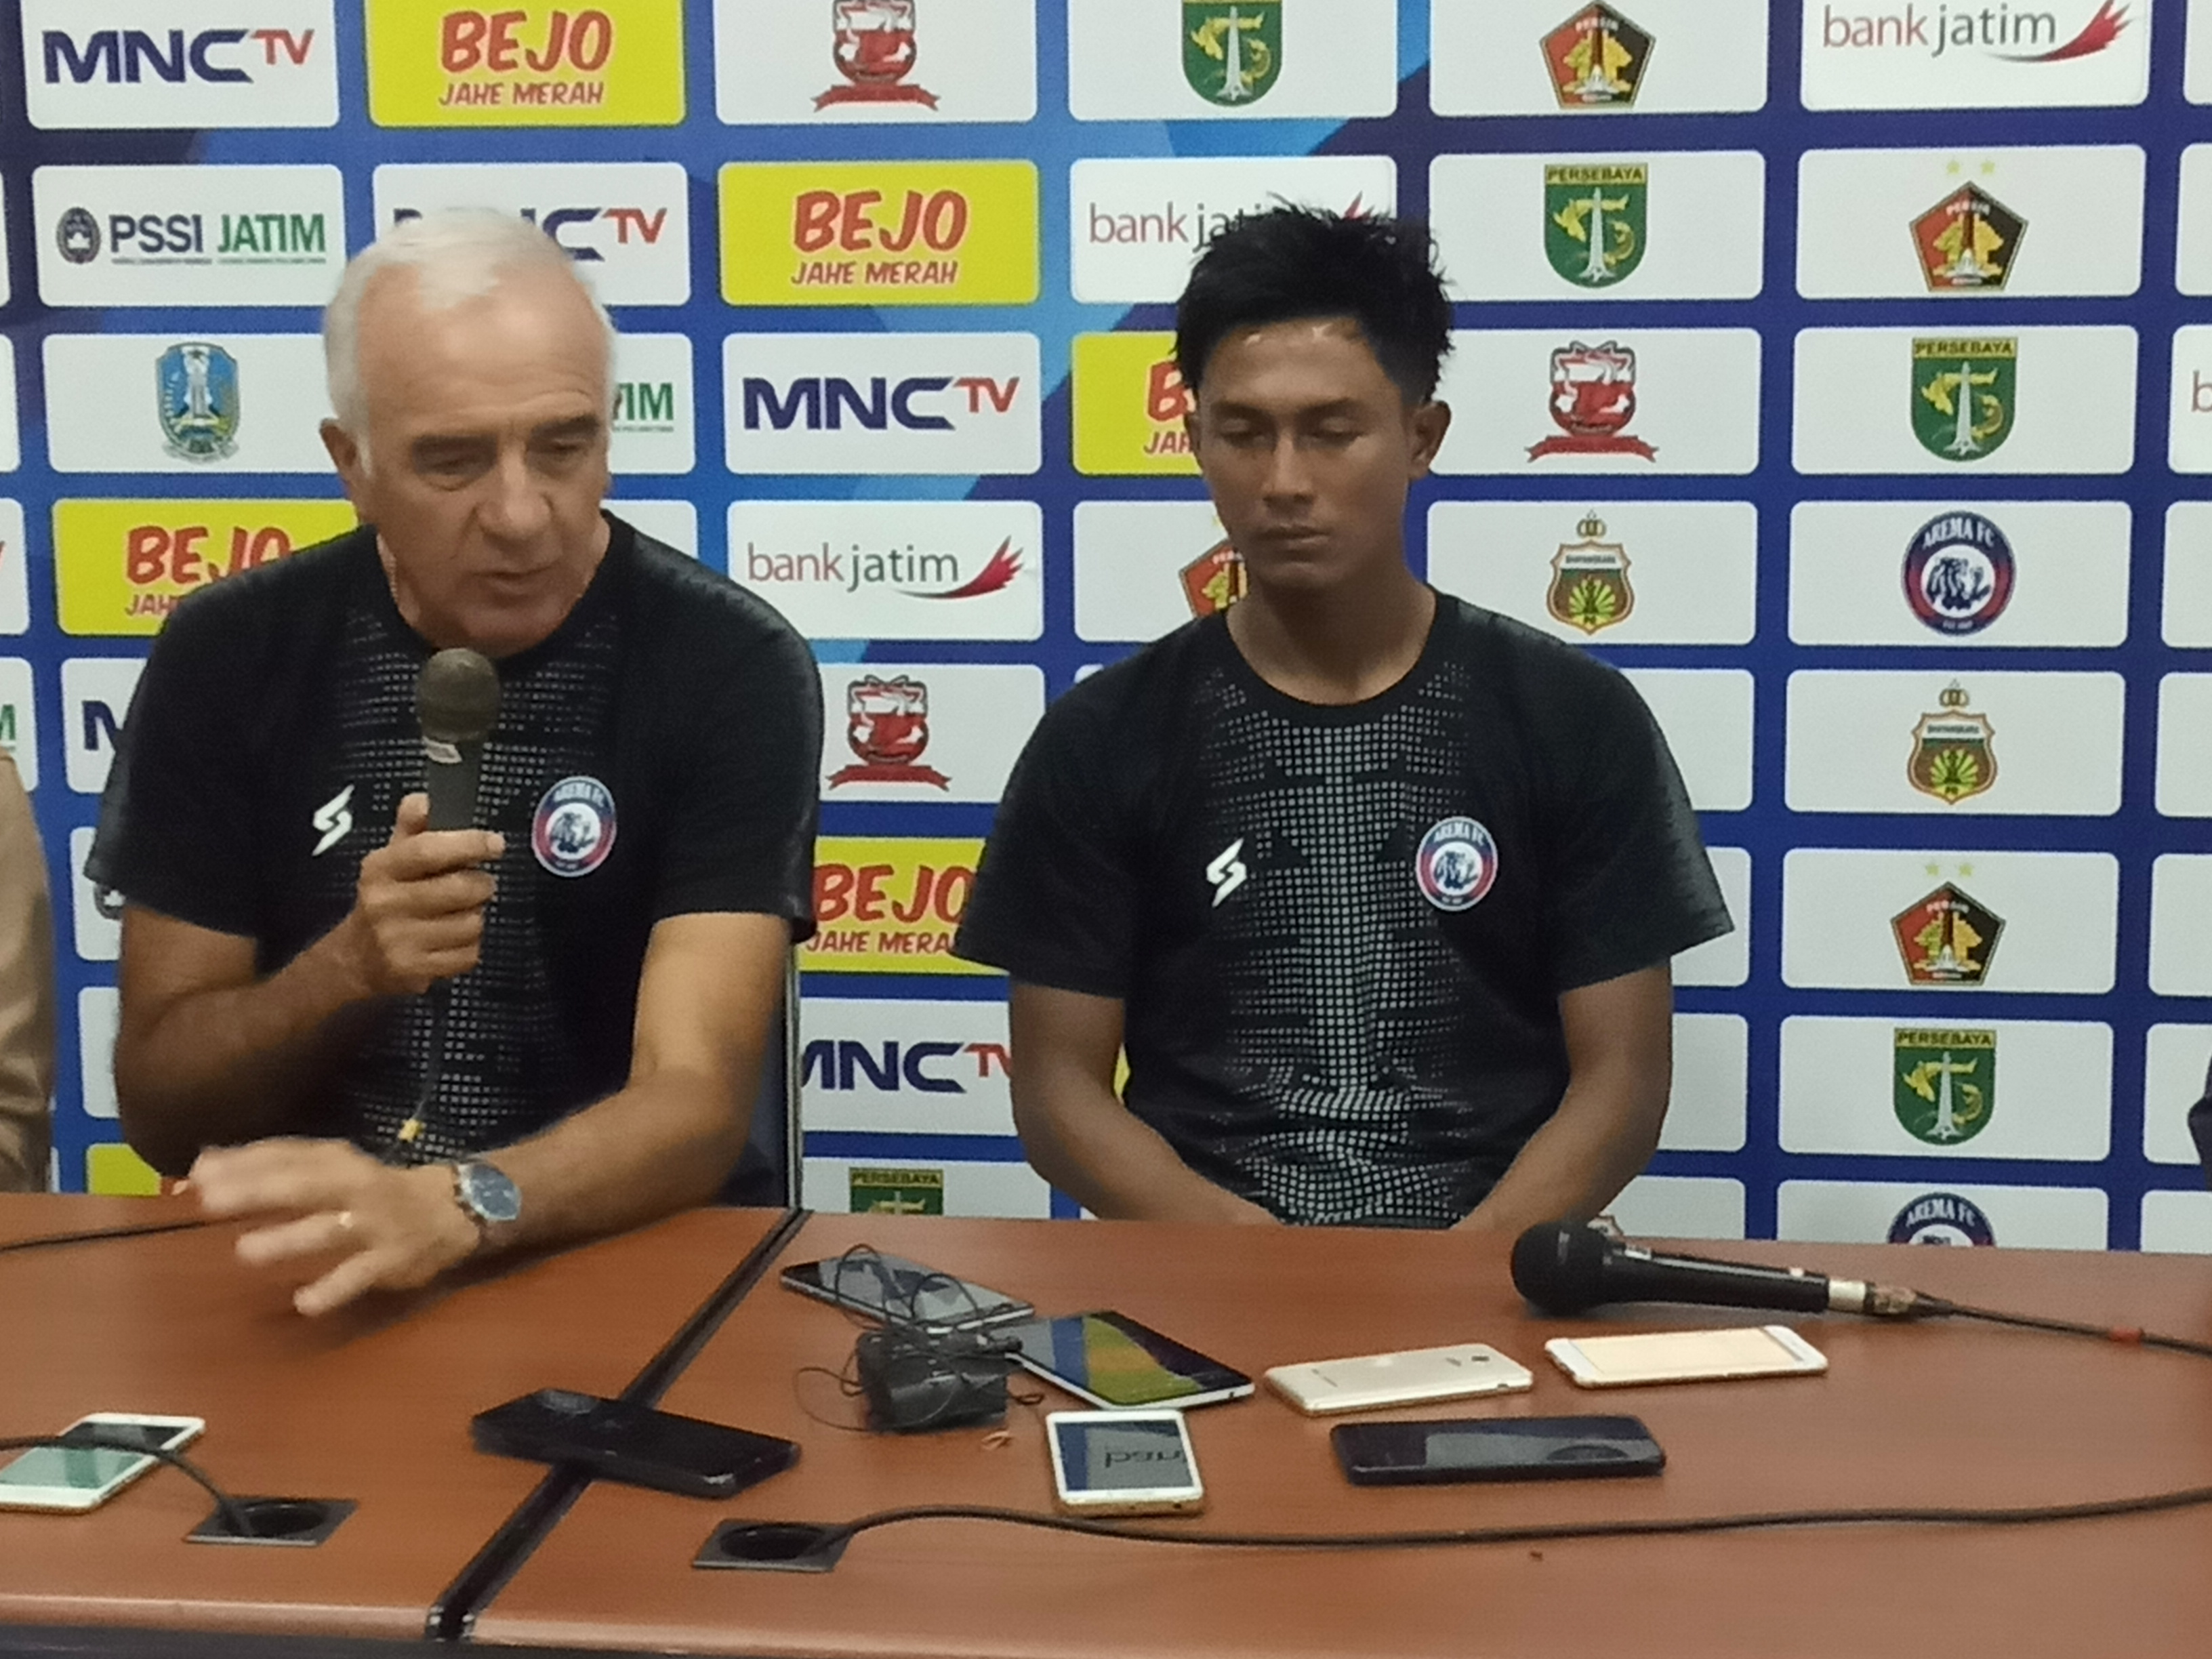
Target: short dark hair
{"points": [[1293, 262]]}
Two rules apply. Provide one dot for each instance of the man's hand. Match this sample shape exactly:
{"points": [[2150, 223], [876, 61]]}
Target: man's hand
{"points": [[393, 1229], [418, 909]]}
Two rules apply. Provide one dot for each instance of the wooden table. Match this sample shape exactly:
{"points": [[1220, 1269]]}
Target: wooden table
{"points": [[1943, 1414], [369, 1405]]}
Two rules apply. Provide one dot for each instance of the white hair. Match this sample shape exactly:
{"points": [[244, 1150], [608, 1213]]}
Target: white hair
{"points": [[456, 255]]}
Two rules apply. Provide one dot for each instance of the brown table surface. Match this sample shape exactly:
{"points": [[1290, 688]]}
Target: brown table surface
{"points": [[1931, 1415], [372, 1405]]}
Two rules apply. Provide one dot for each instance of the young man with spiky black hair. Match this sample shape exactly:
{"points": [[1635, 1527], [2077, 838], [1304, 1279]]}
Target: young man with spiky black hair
{"points": [[1378, 890]]}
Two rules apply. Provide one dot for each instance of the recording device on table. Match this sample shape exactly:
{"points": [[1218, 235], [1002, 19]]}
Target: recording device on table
{"points": [[1501, 1449], [1123, 1464], [1374, 1381], [1118, 1363], [620, 1441], [74, 1479]]}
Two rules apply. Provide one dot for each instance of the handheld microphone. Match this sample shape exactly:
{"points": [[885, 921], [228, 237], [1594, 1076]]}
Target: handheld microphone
{"points": [[456, 701], [1564, 1269]]}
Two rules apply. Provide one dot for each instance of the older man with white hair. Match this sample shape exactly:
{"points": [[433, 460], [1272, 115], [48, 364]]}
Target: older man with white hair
{"points": [[608, 996]]}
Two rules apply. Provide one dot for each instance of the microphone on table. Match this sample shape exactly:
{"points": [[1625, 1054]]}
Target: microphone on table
{"points": [[456, 703], [1561, 1269]]}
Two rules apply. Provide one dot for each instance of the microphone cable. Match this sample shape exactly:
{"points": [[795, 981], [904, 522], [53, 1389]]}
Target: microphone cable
{"points": [[48, 1241]]}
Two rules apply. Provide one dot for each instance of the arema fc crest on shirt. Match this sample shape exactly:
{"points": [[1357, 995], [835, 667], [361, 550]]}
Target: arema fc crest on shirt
{"points": [[1456, 863], [574, 829]]}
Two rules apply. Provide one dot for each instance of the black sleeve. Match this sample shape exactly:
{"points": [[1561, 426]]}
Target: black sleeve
{"points": [[1629, 884], [743, 749], [176, 819], [1055, 897]]}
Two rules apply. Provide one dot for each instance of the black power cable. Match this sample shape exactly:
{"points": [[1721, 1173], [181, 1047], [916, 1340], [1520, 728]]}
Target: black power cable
{"points": [[80, 1439]]}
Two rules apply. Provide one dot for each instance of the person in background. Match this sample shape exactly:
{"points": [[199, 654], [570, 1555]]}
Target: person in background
{"points": [[1378, 890], [612, 945], [27, 992]]}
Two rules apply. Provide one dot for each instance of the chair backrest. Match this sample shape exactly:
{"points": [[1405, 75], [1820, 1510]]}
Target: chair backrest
{"points": [[2200, 1127], [769, 1170]]}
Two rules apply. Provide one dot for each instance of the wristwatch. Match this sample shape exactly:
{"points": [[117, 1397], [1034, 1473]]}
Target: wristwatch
{"points": [[487, 1197]]}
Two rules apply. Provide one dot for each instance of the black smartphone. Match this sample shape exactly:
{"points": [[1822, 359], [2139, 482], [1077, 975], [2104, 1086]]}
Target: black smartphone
{"points": [[631, 1444], [1117, 1364], [1497, 1449], [902, 1292]]}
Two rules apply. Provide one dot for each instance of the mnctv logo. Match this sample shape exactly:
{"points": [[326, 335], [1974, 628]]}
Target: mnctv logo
{"points": [[189, 235], [626, 224], [145, 64], [881, 402]]}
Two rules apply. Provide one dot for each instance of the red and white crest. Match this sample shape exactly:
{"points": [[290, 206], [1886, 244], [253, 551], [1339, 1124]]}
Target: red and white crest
{"points": [[887, 727], [874, 45], [1592, 398]]}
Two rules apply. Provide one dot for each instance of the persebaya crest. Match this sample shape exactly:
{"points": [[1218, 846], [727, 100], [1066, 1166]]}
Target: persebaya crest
{"points": [[1232, 50], [1589, 580], [1962, 393], [1594, 221]]}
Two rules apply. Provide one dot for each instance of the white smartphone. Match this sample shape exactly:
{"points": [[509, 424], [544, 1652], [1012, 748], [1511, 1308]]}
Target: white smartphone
{"points": [[1612, 1362], [1123, 1464], [1375, 1380], [78, 1477]]}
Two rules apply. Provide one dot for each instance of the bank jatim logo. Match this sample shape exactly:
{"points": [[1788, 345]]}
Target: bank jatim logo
{"points": [[887, 729], [2020, 34]]}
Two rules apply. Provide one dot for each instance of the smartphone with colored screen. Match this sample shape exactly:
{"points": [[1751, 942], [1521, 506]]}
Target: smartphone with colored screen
{"points": [[77, 1477]]}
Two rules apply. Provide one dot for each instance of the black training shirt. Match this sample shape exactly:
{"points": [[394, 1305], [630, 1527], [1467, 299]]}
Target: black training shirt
{"points": [[1340, 932], [654, 757]]}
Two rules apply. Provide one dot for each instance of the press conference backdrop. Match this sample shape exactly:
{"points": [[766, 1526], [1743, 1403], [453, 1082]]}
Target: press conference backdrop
{"points": [[1841, 371]]}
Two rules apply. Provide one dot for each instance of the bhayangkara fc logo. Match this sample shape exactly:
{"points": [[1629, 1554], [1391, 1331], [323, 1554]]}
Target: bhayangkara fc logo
{"points": [[1594, 220], [1962, 393], [197, 401], [1958, 571], [1232, 50], [1215, 580], [1456, 864], [1595, 59], [573, 830], [1953, 752], [1589, 580]]}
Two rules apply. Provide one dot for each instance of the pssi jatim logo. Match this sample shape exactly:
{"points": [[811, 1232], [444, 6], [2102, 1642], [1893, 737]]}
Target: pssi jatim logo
{"points": [[122, 565], [432, 64], [879, 233]]}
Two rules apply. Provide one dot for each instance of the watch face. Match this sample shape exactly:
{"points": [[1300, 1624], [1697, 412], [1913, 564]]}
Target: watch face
{"points": [[489, 1194]]}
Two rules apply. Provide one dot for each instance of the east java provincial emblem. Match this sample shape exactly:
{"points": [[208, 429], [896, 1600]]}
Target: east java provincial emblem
{"points": [[1959, 572], [1594, 221], [1215, 580], [1948, 937], [1962, 395], [195, 392], [1943, 1084], [1232, 50], [1595, 60], [1953, 752], [873, 43], [887, 729], [1593, 399], [1589, 580], [1966, 243]]}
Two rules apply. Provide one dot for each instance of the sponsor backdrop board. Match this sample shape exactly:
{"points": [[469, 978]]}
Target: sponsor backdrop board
{"points": [[1834, 369]]}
